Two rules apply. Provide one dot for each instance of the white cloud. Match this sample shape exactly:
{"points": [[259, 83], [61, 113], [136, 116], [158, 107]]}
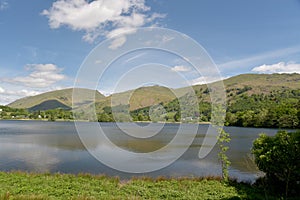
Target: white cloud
{"points": [[100, 17], [1, 90], [118, 42], [22, 93], [120, 31], [4, 100], [135, 57], [19, 93], [259, 58], [205, 80], [41, 75], [3, 5], [167, 38], [9, 95], [180, 68], [98, 61], [278, 68]]}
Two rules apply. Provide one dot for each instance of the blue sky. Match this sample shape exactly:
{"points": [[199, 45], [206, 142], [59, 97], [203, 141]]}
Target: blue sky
{"points": [[44, 43]]}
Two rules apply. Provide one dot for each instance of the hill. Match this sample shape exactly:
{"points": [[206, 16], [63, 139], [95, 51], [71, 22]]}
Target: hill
{"points": [[243, 92], [49, 105], [141, 97], [260, 100], [54, 99], [266, 82], [148, 96]]}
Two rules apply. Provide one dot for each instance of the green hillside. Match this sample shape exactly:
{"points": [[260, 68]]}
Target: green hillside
{"points": [[63, 98], [255, 100], [141, 97], [259, 100], [258, 84], [265, 82], [152, 95]]}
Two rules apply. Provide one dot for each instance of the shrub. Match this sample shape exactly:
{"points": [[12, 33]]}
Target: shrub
{"points": [[279, 158]]}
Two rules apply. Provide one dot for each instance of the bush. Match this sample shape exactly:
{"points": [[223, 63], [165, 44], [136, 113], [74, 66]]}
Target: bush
{"points": [[279, 158]]}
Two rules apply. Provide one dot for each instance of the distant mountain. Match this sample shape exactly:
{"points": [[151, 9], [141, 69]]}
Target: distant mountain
{"points": [[255, 84], [55, 99], [264, 83], [253, 100], [141, 97], [147, 96]]}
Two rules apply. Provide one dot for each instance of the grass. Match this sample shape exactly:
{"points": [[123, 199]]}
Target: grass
{"points": [[21, 185]]}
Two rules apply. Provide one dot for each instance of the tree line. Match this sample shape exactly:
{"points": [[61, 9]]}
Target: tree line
{"points": [[278, 109], [50, 115]]}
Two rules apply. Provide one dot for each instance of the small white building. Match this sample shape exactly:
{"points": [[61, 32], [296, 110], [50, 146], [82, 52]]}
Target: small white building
{"points": [[1, 109]]}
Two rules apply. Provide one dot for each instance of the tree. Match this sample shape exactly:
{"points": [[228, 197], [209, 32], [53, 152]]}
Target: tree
{"points": [[298, 112], [247, 118], [278, 157], [224, 138], [51, 118], [231, 119], [260, 117], [288, 121], [104, 117], [218, 116], [177, 116]]}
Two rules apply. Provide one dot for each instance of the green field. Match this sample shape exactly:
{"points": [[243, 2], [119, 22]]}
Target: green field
{"points": [[20, 185]]}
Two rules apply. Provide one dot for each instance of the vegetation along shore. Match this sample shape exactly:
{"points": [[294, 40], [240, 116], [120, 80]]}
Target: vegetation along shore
{"points": [[20, 185], [272, 100]]}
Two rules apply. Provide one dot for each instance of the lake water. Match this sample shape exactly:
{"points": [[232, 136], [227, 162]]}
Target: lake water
{"points": [[56, 147]]}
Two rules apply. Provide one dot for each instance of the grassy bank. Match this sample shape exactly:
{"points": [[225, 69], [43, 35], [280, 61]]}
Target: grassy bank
{"points": [[19, 185]]}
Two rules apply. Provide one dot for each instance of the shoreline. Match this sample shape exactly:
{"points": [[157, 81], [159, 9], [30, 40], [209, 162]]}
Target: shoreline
{"points": [[62, 120], [146, 122]]}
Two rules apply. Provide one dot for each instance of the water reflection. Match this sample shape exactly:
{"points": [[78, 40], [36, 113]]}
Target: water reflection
{"points": [[55, 147], [28, 157]]}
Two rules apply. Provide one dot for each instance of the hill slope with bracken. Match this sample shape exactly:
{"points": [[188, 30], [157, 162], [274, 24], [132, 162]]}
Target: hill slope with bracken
{"points": [[254, 100], [244, 84], [55, 99], [260, 83], [244, 93], [139, 98]]}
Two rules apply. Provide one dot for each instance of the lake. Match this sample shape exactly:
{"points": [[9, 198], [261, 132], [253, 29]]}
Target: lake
{"points": [[38, 146]]}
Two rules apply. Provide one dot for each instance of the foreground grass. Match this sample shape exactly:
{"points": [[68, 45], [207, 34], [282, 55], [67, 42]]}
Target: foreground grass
{"points": [[19, 185]]}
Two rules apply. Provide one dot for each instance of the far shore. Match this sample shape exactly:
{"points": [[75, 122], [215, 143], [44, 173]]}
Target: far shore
{"points": [[64, 120]]}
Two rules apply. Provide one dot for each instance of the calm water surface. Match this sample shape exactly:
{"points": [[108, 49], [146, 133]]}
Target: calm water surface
{"points": [[56, 147]]}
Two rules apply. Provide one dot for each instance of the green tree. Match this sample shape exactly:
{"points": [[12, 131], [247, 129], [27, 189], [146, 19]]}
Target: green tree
{"points": [[260, 117], [288, 121], [177, 116], [104, 117], [223, 139], [278, 157], [52, 117], [298, 112], [218, 116], [231, 119], [247, 118]]}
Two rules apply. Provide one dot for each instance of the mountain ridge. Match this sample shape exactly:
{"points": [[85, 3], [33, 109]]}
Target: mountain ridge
{"points": [[152, 95], [63, 97]]}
